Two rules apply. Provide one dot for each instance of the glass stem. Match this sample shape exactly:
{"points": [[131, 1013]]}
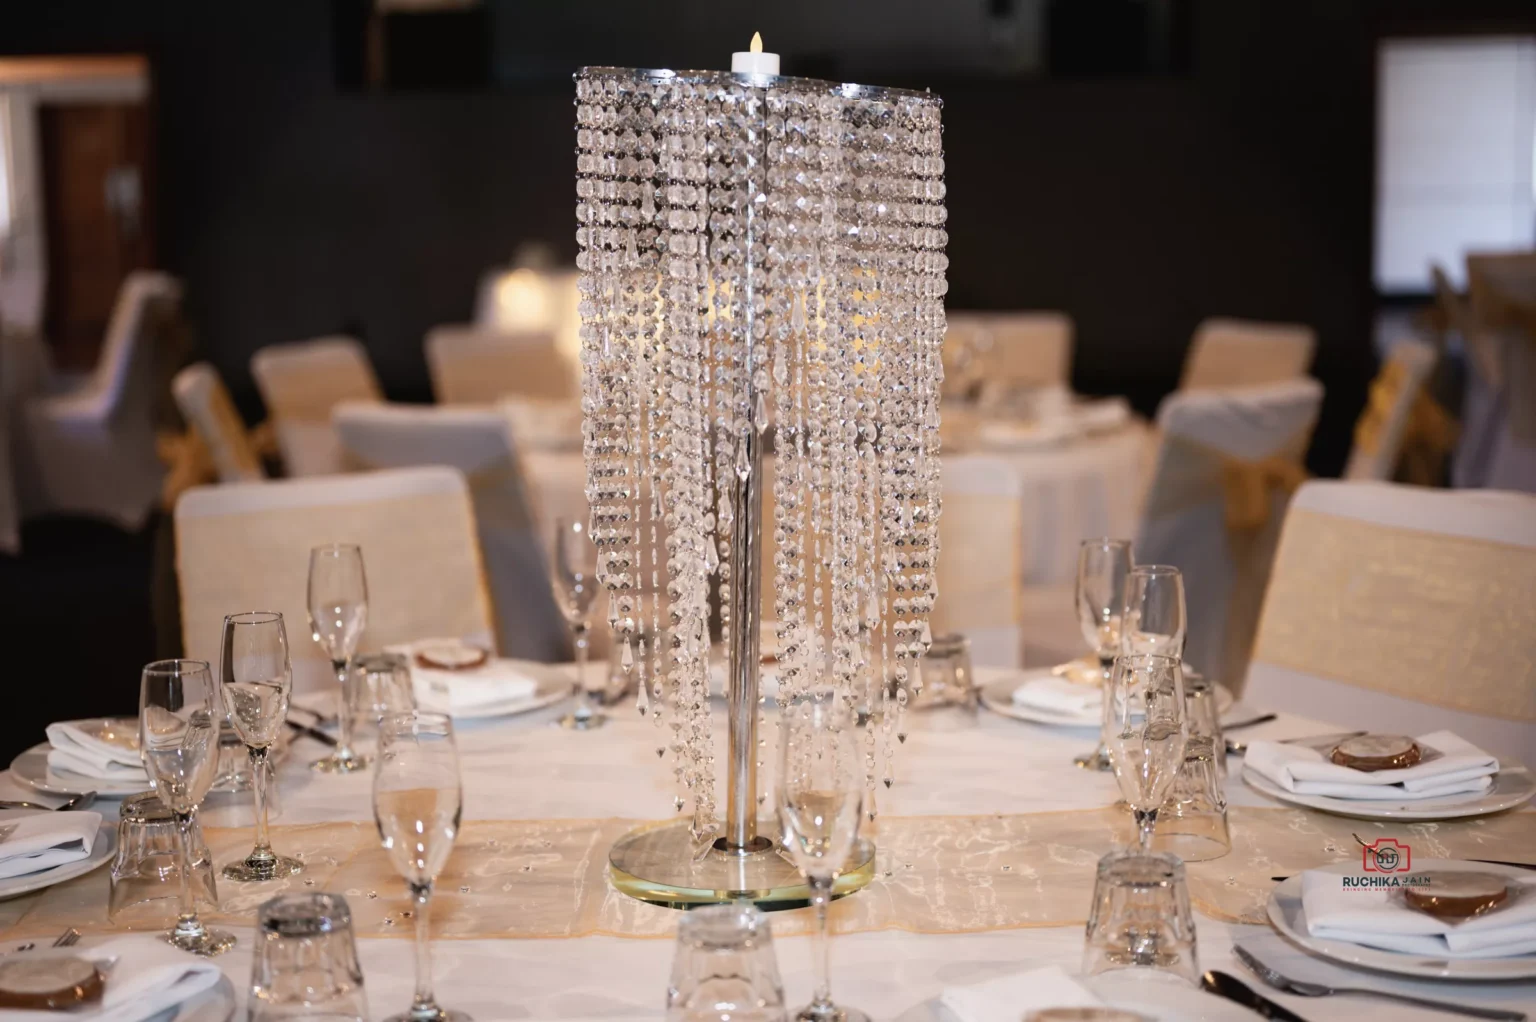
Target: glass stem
{"points": [[580, 634], [187, 923], [1146, 823], [263, 850], [343, 670], [821, 899], [423, 1005]]}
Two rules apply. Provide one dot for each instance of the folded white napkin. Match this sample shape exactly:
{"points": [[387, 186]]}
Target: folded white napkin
{"points": [[30, 844], [1058, 695], [145, 976], [1462, 767], [1378, 917], [1007, 998], [493, 682], [80, 752]]}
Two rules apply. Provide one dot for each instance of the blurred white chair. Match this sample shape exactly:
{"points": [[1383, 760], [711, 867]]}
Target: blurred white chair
{"points": [[479, 443], [1399, 415], [91, 450], [1226, 465], [1240, 353], [300, 384], [1012, 349], [470, 365], [1405, 610], [981, 568], [212, 418], [1500, 407], [245, 546]]}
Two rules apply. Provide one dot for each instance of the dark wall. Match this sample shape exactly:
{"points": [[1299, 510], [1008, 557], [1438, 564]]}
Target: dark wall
{"points": [[295, 208]]}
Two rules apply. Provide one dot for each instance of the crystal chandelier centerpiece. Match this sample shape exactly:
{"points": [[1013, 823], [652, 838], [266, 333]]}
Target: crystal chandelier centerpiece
{"points": [[761, 268]]}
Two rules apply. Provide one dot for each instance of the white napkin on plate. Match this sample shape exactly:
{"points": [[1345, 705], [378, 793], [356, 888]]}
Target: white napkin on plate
{"points": [[1380, 918], [30, 844], [452, 692], [1007, 998], [145, 976], [1058, 695], [1462, 767], [79, 752]]}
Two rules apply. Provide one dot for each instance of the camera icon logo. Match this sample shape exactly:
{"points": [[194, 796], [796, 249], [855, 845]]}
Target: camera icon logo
{"points": [[1386, 855]]}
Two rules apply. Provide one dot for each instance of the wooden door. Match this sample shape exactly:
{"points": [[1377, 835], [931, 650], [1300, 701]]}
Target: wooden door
{"points": [[98, 215]]}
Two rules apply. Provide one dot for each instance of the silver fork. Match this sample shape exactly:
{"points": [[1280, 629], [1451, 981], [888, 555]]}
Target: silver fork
{"points": [[1282, 982], [69, 938]]}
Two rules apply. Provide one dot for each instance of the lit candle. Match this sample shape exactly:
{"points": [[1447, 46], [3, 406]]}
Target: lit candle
{"points": [[755, 61]]}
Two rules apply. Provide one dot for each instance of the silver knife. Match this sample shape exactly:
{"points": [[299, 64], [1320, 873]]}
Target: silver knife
{"points": [[1233, 989]]}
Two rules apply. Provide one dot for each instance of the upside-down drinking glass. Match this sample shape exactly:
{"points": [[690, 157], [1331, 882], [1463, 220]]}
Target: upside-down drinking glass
{"points": [[179, 743], [257, 679], [1145, 724], [573, 577], [338, 613], [1102, 567]]}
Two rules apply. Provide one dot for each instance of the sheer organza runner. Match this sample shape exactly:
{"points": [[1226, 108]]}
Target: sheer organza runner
{"points": [[935, 874]]}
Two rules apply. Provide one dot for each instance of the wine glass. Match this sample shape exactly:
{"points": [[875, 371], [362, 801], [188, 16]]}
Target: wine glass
{"points": [[1102, 566], [179, 743], [1153, 617], [338, 612], [821, 798], [573, 577], [1145, 725], [417, 802], [256, 678]]}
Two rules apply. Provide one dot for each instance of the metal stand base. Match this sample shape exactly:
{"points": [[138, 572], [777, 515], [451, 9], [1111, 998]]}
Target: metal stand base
{"points": [[660, 863]]}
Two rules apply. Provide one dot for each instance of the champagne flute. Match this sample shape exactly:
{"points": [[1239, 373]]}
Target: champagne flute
{"points": [[417, 802], [1145, 726], [256, 678], [573, 577], [1153, 617], [1102, 566], [338, 612], [179, 743], [821, 798]]}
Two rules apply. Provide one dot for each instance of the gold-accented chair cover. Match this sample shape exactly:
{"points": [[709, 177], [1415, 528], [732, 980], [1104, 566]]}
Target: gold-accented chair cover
{"points": [[1240, 353], [245, 546], [981, 569], [1403, 609], [471, 365], [301, 383], [479, 443], [212, 418], [1010, 349], [1226, 466], [1403, 431]]}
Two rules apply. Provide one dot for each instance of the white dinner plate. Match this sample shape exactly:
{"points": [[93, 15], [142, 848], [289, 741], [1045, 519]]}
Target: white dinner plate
{"points": [[1289, 918], [1513, 785], [101, 851], [31, 767], [997, 696]]}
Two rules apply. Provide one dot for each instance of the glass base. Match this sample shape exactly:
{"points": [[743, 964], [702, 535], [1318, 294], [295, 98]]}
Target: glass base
{"points": [[662, 863], [336, 764], [582, 722], [275, 868], [837, 1013], [1098, 759], [203, 942], [440, 1015]]}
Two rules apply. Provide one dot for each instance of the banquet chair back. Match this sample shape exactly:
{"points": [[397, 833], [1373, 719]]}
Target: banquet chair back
{"points": [[981, 572], [479, 443], [301, 383], [470, 365], [245, 546], [1240, 353], [1014, 349], [1404, 609], [1401, 421], [205, 404], [1226, 466]]}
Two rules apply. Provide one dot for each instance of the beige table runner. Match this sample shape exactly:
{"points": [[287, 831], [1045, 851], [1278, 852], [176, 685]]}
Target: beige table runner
{"points": [[934, 874]]}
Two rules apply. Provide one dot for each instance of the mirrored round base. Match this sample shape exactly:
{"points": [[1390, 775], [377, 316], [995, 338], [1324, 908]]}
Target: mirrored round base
{"points": [[579, 722], [205, 942], [442, 1015], [275, 868], [1098, 759], [838, 1014], [334, 764]]}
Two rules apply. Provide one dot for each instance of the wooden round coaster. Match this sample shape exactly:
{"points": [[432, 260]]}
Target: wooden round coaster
{"points": [[451, 657], [1377, 752], [49, 983], [1459, 895]]}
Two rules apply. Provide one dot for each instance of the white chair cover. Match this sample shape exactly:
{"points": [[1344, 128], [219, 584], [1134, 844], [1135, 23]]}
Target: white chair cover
{"points": [[1408, 366], [205, 404], [1404, 609], [471, 365], [91, 450], [1016, 349], [479, 443], [301, 383], [1240, 353], [981, 568], [1214, 443], [245, 546]]}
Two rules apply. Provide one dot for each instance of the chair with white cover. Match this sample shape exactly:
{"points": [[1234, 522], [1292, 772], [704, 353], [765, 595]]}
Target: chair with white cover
{"points": [[1404, 609], [1400, 421], [1227, 463], [1240, 353], [981, 572], [472, 365], [479, 443], [300, 384], [1013, 349], [205, 404], [245, 546], [91, 450]]}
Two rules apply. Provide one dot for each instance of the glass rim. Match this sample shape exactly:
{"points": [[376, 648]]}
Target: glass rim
{"points": [[1103, 542], [411, 721], [1122, 857], [332, 549], [1139, 659], [175, 665], [253, 617], [1155, 569]]}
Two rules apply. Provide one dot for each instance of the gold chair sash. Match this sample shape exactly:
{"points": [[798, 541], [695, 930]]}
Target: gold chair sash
{"points": [[1428, 437], [1192, 473]]}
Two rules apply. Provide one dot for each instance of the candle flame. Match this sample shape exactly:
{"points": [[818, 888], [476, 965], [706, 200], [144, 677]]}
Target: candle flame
{"points": [[757, 43]]}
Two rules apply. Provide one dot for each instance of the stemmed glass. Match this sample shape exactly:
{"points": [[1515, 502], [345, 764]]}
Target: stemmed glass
{"points": [[573, 576], [256, 678], [179, 743], [338, 612], [417, 802], [1102, 566], [1153, 617], [1145, 725], [821, 798]]}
